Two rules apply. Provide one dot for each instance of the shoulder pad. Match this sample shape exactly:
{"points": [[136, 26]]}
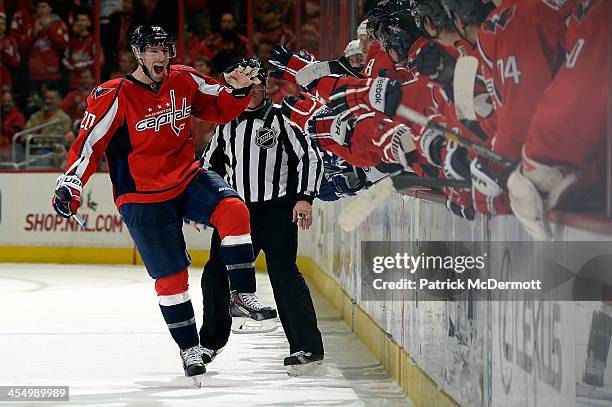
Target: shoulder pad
{"points": [[106, 88]]}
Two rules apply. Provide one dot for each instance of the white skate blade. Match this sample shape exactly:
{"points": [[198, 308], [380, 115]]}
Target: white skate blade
{"points": [[304, 370], [250, 326], [197, 380]]}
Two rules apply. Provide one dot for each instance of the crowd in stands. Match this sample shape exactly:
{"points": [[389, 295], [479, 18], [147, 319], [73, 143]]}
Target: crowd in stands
{"points": [[49, 53]]}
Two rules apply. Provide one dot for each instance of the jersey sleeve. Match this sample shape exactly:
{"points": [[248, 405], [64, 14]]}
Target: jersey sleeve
{"points": [[212, 101], [10, 52], [58, 35], [105, 113], [579, 92]]}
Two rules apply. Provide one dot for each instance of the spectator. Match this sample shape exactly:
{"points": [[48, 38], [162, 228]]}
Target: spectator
{"points": [[33, 101], [126, 64], [364, 39], [272, 28], [81, 51], [194, 47], [21, 29], [51, 111], [155, 12], [61, 148], [115, 34], [231, 47], [75, 102], [12, 120], [263, 50], [353, 53], [312, 10], [22, 26], [309, 38], [49, 40], [203, 65], [277, 88], [9, 55], [227, 37]]}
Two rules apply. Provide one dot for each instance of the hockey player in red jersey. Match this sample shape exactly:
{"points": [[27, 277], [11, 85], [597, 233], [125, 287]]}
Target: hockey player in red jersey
{"points": [[141, 124], [516, 76], [566, 140]]}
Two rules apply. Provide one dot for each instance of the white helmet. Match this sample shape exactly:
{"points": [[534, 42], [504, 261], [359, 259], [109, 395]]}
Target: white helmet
{"points": [[362, 30], [352, 48]]}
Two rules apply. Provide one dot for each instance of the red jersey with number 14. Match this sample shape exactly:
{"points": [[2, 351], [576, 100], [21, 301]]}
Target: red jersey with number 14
{"points": [[145, 134], [520, 49]]}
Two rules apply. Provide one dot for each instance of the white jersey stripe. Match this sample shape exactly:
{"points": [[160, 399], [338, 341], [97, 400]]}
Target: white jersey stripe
{"points": [[206, 88], [96, 135]]}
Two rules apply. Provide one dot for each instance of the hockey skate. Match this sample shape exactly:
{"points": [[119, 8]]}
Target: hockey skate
{"points": [[302, 363], [193, 364], [208, 355], [247, 305]]}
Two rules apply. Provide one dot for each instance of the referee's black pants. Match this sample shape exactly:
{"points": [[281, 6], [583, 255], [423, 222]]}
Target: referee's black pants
{"points": [[274, 232]]}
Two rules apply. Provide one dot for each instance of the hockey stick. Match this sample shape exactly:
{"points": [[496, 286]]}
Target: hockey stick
{"points": [[463, 87], [321, 69], [418, 118], [76, 216], [370, 199], [464, 79]]}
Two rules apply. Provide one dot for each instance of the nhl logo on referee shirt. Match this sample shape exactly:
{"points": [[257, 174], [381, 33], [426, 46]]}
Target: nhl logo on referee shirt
{"points": [[265, 137]]}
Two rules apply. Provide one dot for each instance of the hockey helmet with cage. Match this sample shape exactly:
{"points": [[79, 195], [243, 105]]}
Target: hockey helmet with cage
{"points": [[432, 9], [151, 35], [469, 11]]}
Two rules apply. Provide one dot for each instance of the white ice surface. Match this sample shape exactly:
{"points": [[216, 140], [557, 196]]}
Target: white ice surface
{"points": [[98, 329]]}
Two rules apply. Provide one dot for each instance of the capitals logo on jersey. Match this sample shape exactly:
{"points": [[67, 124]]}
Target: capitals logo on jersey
{"points": [[169, 116], [500, 20], [99, 91], [584, 8]]}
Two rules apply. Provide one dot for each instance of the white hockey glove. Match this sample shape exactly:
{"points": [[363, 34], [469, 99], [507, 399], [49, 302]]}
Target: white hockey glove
{"points": [[534, 189], [243, 74]]}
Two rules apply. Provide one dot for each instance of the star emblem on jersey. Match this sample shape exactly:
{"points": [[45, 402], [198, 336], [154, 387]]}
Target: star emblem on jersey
{"points": [[100, 91], [265, 137]]}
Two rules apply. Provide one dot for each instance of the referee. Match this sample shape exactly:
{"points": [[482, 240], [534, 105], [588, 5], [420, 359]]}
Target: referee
{"points": [[277, 172]]}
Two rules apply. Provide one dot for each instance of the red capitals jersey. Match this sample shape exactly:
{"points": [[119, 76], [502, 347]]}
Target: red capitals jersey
{"points": [[377, 61], [45, 54], [146, 135], [570, 125], [22, 28], [519, 46], [80, 55]]}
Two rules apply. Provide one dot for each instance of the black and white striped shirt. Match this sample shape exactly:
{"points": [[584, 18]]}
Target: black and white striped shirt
{"points": [[263, 158]]}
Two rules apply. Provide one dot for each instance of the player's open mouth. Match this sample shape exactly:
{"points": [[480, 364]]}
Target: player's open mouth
{"points": [[159, 69]]}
